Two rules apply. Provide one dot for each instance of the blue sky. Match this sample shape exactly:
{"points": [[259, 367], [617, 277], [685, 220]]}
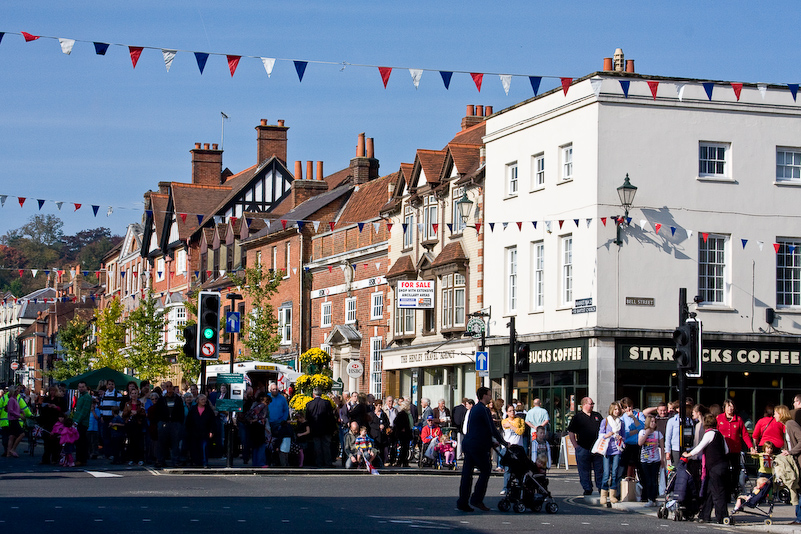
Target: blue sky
{"points": [[91, 129]]}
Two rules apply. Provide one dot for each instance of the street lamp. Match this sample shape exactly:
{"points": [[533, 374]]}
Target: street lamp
{"points": [[465, 205], [626, 192]]}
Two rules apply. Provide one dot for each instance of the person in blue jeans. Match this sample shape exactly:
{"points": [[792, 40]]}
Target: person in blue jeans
{"points": [[583, 431], [612, 429]]}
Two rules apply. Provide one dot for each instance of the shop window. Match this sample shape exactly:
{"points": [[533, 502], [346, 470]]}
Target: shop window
{"points": [[788, 273]]}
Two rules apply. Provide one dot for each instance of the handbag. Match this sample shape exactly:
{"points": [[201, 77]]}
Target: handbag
{"points": [[600, 446]]}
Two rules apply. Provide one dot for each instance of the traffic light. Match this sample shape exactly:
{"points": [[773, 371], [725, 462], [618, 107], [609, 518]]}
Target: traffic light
{"points": [[688, 348], [208, 326], [190, 341], [522, 358]]}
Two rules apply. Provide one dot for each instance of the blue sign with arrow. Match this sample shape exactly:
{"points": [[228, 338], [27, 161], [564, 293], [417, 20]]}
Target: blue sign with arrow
{"points": [[232, 322], [482, 363]]}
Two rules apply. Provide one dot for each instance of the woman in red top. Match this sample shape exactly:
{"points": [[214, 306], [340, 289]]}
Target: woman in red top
{"points": [[769, 429], [732, 427]]}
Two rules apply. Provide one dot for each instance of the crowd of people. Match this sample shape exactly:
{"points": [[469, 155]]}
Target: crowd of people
{"points": [[627, 444]]}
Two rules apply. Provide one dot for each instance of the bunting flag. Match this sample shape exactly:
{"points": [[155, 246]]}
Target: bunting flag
{"points": [[199, 219], [450, 227], [3, 200], [478, 228], [653, 85], [330, 268], [389, 226], [763, 89], [316, 225], [101, 48], [66, 45], [201, 58], [301, 224], [737, 87], [506, 82], [520, 226], [283, 223], [21, 272], [182, 216], [300, 68], [672, 230], [377, 227], [77, 206], [705, 235], [793, 89], [680, 91], [535, 83], [34, 272], [416, 75], [332, 224], [21, 201], [435, 226], [233, 63], [446, 78], [492, 226], [535, 224], [385, 73], [269, 63], [59, 204], [405, 227], [744, 241], [169, 55], [40, 202], [505, 225], [566, 84], [28, 37], [709, 87], [589, 222], [477, 79], [595, 83], [624, 84], [776, 246], [135, 52], [657, 227], [109, 211], [561, 222], [760, 244]]}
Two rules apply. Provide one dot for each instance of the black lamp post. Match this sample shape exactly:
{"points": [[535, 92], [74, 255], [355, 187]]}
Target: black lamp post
{"points": [[626, 192]]}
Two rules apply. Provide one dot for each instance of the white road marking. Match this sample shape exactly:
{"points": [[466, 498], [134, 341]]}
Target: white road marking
{"points": [[102, 474]]}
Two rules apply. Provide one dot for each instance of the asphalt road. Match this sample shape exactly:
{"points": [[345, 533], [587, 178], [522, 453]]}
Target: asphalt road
{"points": [[132, 499]]}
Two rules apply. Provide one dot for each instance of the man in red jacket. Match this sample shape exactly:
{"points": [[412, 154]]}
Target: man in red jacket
{"points": [[732, 427]]}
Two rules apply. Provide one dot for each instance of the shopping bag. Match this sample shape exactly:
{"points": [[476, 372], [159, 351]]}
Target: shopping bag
{"points": [[600, 446], [662, 481], [628, 490]]}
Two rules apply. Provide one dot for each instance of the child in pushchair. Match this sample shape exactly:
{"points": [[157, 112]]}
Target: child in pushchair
{"points": [[446, 454], [528, 483], [681, 494]]}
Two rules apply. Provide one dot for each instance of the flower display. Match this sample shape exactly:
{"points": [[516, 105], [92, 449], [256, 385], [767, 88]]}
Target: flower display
{"points": [[316, 363]]}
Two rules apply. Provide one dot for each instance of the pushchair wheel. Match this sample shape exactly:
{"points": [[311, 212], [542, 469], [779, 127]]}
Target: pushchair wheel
{"points": [[551, 507], [537, 507], [660, 513], [728, 521], [768, 522], [519, 507], [504, 505]]}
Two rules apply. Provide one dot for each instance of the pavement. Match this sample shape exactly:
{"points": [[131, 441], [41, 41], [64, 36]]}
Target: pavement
{"points": [[782, 514]]}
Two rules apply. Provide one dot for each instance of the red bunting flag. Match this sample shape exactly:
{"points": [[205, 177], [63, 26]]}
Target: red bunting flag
{"points": [[385, 72], [97, 274], [23, 270], [28, 37], [330, 268], [603, 220], [182, 216], [520, 225], [135, 51], [283, 223], [389, 226], [435, 226], [657, 226], [566, 84], [233, 220], [776, 246], [21, 201], [208, 274], [331, 225], [477, 79], [561, 222], [705, 235], [653, 85], [233, 62], [478, 228], [738, 87], [77, 206]]}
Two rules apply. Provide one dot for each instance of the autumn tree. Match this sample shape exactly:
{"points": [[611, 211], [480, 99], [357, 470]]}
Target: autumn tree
{"points": [[110, 336], [147, 349]]}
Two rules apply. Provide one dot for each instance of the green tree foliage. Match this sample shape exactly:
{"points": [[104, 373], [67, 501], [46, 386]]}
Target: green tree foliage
{"points": [[190, 367], [260, 329], [147, 348], [110, 336], [75, 354]]}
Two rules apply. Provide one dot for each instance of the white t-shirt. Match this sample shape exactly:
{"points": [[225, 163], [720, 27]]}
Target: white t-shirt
{"points": [[650, 451]]}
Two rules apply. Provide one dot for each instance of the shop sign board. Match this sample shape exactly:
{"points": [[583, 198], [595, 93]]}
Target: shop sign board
{"points": [[415, 294], [583, 306], [355, 369], [234, 395], [475, 327]]}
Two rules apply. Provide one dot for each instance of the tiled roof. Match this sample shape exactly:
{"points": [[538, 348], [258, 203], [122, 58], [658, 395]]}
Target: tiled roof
{"points": [[338, 178], [401, 267], [431, 163], [452, 253], [364, 204], [194, 200], [465, 158], [471, 136]]}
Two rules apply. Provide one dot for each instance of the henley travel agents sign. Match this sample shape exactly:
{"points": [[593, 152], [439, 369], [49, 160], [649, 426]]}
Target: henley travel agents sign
{"points": [[721, 356]]}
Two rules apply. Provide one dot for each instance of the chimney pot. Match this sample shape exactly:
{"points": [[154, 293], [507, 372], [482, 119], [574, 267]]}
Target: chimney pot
{"points": [[298, 170], [630, 66], [197, 146], [214, 146], [205, 146], [480, 111], [320, 170], [471, 110], [369, 150], [281, 122], [360, 146], [607, 63], [309, 170], [619, 60], [487, 111], [264, 122]]}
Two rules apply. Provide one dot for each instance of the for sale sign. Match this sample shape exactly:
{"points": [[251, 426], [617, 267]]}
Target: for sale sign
{"points": [[415, 294]]}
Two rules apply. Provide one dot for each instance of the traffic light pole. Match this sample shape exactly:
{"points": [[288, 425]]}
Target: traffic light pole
{"points": [[682, 377], [512, 350]]}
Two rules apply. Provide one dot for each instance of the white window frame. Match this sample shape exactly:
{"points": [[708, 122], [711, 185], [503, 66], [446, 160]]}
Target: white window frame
{"points": [[538, 171], [566, 152], [788, 273], [325, 315], [180, 262], [350, 310], [456, 217], [408, 220], [430, 206], [161, 270], [566, 282], [285, 324], [377, 305], [274, 265], [453, 300], [511, 279], [376, 365], [788, 172], [713, 272], [706, 160], [538, 276], [512, 183], [404, 320], [258, 259], [288, 252]]}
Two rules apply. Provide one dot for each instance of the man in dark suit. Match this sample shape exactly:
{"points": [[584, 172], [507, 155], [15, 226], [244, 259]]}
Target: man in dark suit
{"points": [[322, 423], [476, 445]]}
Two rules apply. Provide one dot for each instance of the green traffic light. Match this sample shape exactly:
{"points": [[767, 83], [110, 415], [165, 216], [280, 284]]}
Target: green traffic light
{"points": [[208, 333]]}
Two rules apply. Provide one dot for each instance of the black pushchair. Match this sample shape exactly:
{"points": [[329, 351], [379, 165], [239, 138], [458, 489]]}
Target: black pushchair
{"points": [[528, 483], [756, 501], [681, 495]]}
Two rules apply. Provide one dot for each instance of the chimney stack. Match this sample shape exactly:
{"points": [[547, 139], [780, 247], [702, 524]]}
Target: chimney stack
{"points": [[473, 116], [364, 167], [271, 141], [206, 165], [303, 190]]}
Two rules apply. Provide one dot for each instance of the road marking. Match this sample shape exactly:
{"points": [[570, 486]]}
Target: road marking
{"points": [[145, 520], [50, 520], [101, 474], [285, 521]]}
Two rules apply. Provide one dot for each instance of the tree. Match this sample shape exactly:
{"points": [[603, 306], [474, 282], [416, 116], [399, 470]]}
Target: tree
{"points": [[190, 367], [110, 336], [147, 349], [75, 353], [260, 329]]}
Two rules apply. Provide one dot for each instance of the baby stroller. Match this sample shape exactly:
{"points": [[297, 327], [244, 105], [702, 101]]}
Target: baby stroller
{"points": [[528, 483], [681, 495], [763, 497]]}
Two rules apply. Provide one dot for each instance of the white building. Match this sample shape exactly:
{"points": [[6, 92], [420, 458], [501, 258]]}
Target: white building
{"points": [[718, 192]]}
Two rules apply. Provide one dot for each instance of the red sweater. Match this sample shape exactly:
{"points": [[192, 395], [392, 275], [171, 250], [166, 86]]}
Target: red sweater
{"points": [[769, 429], [734, 432]]}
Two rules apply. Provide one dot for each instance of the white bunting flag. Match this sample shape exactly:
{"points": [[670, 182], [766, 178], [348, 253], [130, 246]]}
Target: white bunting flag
{"points": [[59, 204], [169, 55], [506, 81], [377, 266], [269, 63], [316, 225], [419, 227], [294, 270], [376, 226], [548, 226], [110, 211], [642, 223], [763, 89], [689, 234], [505, 225], [222, 272], [3, 200], [760, 243], [34, 272], [589, 220], [416, 75], [595, 83], [66, 45], [680, 90]]}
